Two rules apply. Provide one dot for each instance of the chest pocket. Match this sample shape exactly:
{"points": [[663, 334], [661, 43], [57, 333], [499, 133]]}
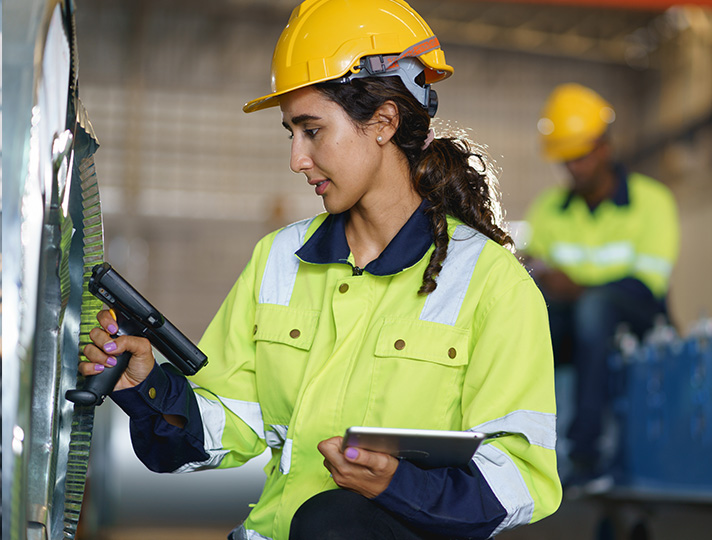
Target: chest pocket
{"points": [[420, 367], [283, 338]]}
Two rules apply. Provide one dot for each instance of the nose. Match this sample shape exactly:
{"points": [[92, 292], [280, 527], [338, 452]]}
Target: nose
{"points": [[299, 160]]}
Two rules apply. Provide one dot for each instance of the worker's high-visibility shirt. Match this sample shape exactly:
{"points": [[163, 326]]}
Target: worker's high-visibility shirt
{"points": [[634, 234], [306, 345]]}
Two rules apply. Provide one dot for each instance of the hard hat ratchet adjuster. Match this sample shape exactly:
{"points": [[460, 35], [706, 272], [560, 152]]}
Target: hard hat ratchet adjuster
{"points": [[407, 69]]}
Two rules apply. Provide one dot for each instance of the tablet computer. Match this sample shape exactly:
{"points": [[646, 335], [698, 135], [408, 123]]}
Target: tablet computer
{"points": [[426, 448]]}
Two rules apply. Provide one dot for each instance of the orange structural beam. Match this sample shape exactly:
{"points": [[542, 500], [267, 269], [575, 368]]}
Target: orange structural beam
{"points": [[649, 5]]}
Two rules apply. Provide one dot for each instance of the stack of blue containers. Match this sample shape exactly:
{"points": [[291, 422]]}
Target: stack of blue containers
{"points": [[662, 402]]}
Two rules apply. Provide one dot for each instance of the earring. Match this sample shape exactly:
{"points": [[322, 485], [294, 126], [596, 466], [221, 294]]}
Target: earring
{"points": [[379, 139]]}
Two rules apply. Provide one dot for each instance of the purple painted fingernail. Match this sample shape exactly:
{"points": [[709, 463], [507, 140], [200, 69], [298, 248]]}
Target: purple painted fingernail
{"points": [[110, 346], [112, 328], [351, 453], [111, 361], [98, 367]]}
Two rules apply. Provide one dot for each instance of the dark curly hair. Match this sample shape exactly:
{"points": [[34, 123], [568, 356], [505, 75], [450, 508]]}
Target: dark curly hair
{"points": [[443, 173]]}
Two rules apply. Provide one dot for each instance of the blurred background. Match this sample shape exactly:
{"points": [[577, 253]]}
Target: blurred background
{"points": [[189, 182]]}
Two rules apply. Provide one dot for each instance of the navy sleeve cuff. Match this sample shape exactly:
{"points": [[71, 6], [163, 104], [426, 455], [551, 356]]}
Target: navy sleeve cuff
{"points": [[448, 501], [137, 401], [163, 447]]}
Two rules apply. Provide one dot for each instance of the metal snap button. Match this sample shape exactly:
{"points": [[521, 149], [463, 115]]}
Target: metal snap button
{"points": [[399, 344], [452, 353], [295, 334], [152, 393], [343, 288]]}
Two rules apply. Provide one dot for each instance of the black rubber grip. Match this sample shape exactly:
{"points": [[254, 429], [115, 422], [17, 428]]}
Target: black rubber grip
{"points": [[97, 387]]}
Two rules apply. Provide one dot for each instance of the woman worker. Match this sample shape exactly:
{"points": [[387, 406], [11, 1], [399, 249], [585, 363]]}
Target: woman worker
{"points": [[399, 307]]}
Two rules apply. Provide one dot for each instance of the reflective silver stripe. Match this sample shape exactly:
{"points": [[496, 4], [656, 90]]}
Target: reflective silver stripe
{"points": [[248, 411], [285, 462], [282, 264], [655, 265], [610, 254], [539, 428], [443, 304], [211, 463], [213, 416], [507, 483], [240, 533], [254, 535], [276, 435]]}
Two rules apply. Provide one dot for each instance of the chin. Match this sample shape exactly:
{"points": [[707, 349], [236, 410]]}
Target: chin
{"points": [[334, 208]]}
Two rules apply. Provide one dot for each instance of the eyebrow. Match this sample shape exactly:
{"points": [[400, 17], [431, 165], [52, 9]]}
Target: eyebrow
{"points": [[300, 119]]}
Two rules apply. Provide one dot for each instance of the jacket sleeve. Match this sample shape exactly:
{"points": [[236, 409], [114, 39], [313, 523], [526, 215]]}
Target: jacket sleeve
{"points": [[224, 424], [225, 388], [509, 387], [449, 501], [658, 243], [160, 446]]}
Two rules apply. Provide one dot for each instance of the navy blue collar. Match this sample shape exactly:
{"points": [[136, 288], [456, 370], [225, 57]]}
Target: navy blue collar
{"points": [[328, 244], [620, 195]]}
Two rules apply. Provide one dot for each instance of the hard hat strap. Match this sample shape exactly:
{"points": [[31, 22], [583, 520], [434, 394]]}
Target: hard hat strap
{"points": [[418, 49]]}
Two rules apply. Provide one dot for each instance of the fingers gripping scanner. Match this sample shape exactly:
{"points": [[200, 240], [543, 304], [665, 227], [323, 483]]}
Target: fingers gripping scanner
{"points": [[135, 316]]}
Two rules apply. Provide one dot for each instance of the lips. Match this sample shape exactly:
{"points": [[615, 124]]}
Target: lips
{"points": [[320, 186]]}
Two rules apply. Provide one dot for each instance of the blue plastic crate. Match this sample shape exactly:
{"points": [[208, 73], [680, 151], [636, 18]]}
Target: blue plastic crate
{"points": [[662, 401]]}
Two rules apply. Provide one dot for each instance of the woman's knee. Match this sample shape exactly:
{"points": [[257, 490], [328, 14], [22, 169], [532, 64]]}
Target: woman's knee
{"points": [[334, 515]]}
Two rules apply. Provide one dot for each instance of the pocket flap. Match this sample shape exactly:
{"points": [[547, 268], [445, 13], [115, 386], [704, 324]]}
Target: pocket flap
{"points": [[283, 324], [423, 340]]}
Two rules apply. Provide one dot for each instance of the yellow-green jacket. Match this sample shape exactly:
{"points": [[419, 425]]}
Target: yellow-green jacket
{"points": [[305, 346], [634, 234]]}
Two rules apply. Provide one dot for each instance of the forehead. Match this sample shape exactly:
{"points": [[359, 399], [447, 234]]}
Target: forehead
{"points": [[307, 103]]}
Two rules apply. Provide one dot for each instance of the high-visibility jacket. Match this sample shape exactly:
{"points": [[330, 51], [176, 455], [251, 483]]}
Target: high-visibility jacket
{"points": [[634, 234], [305, 346]]}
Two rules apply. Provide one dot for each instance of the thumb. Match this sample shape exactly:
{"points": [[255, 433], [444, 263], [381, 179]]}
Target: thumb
{"points": [[351, 454]]}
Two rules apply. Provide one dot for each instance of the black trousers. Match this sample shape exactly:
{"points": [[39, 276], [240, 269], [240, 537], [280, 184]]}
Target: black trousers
{"points": [[344, 515]]}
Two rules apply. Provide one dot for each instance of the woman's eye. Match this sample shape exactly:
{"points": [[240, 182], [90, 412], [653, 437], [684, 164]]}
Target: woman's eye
{"points": [[311, 132]]}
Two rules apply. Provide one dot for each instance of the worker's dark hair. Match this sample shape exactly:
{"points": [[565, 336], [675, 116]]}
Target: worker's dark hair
{"points": [[443, 173]]}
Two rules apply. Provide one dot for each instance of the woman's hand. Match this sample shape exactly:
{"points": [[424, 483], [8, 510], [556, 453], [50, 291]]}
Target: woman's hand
{"points": [[102, 351], [365, 472]]}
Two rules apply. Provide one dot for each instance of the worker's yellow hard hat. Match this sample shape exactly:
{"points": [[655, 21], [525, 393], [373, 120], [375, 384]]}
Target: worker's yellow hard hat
{"points": [[573, 119], [329, 39]]}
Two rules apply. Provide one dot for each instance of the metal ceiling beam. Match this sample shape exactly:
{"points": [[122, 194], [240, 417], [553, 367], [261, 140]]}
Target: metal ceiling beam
{"points": [[648, 5], [531, 40]]}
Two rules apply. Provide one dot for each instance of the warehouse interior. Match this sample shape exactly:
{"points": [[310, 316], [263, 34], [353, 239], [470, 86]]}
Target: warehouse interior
{"points": [[189, 182]]}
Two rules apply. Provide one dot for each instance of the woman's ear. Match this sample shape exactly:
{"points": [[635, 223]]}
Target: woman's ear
{"points": [[386, 120]]}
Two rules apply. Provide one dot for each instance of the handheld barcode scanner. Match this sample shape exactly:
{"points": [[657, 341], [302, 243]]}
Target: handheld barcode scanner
{"points": [[135, 316]]}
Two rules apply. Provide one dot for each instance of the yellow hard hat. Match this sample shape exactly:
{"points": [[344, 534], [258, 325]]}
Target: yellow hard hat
{"points": [[328, 39], [572, 121]]}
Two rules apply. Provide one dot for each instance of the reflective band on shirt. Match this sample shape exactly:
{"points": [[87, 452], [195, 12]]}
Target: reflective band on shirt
{"points": [[507, 483], [285, 462], [275, 435], [614, 253], [443, 304], [249, 412], [653, 265], [282, 264], [213, 416], [246, 534], [537, 427]]}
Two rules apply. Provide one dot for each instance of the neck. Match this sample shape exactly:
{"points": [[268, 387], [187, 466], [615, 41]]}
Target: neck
{"points": [[603, 189], [376, 219]]}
